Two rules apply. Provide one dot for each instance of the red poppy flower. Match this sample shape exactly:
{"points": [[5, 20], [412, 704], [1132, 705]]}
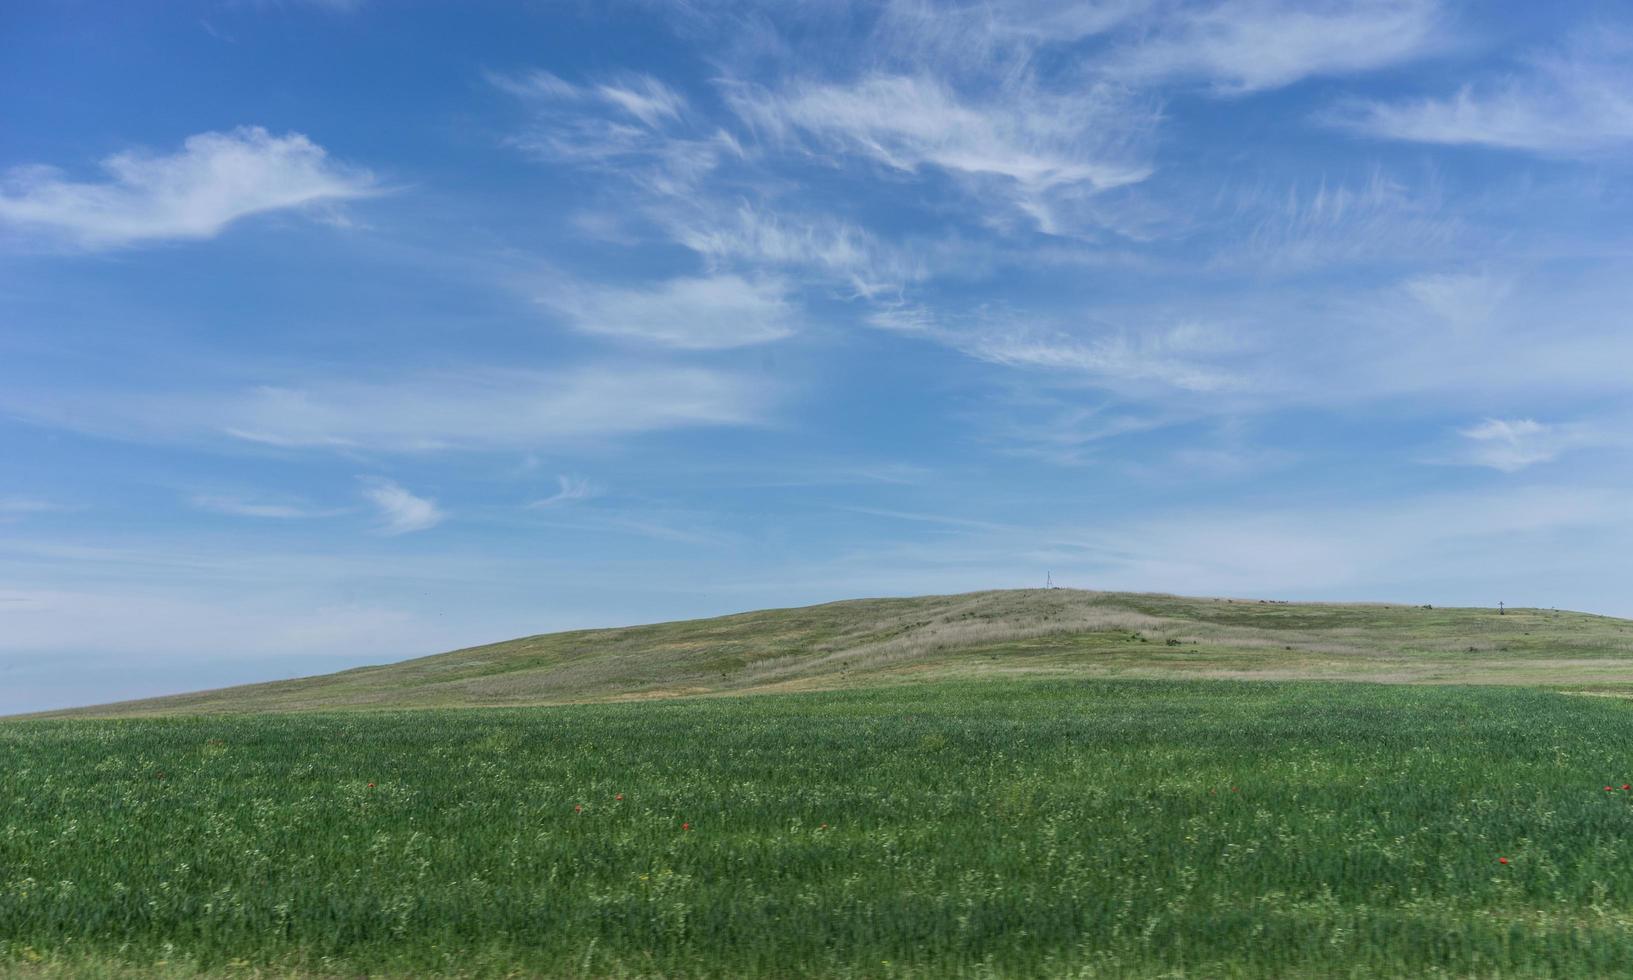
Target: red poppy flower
{"points": [[619, 796], [1610, 789], [685, 826], [578, 808], [371, 785], [1502, 860], [1627, 786]]}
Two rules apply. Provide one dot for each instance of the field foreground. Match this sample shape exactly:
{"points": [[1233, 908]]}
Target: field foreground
{"points": [[991, 828]]}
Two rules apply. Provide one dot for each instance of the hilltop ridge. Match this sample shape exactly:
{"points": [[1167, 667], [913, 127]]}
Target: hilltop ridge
{"points": [[1064, 632]]}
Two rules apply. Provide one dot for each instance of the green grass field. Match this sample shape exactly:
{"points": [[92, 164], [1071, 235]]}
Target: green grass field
{"points": [[993, 827], [1002, 784]]}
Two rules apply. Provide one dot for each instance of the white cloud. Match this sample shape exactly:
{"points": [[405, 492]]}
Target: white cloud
{"points": [[1375, 220], [979, 35], [1184, 356], [645, 98], [572, 489], [910, 122], [1548, 334], [1065, 429], [336, 6], [216, 179], [715, 312], [648, 100], [759, 236], [27, 505], [494, 409], [1168, 357], [1030, 140], [1465, 300], [483, 409], [1512, 445], [240, 507], [1578, 101], [638, 140], [692, 529], [1242, 46], [400, 511]]}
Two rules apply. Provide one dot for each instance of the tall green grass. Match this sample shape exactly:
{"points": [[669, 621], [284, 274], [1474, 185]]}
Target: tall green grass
{"points": [[1013, 829]]}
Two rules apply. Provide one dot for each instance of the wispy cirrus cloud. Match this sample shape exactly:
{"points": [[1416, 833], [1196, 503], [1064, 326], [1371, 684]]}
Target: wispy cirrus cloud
{"points": [[214, 180], [1178, 357], [1511, 445], [572, 489], [478, 409], [1466, 300], [493, 409], [1242, 46], [1337, 223], [818, 245], [690, 313], [400, 512], [636, 126], [640, 96], [252, 507], [1187, 356], [908, 122], [979, 33], [1572, 101], [1023, 141], [14, 509], [28, 505]]}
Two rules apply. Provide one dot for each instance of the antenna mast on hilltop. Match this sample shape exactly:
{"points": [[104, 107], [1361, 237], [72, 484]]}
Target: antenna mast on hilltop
{"points": [[1048, 580]]}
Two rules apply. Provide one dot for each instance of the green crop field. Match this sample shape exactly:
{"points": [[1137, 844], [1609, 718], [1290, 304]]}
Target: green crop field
{"points": [[1026, 784], [979, 827]]}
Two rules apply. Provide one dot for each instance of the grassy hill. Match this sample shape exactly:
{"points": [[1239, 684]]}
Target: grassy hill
{"points": [[1037, 633], [1001, 784]]}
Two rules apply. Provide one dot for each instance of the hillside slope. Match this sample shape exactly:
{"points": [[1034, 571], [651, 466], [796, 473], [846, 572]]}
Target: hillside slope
{"points": [[1036, 632]]}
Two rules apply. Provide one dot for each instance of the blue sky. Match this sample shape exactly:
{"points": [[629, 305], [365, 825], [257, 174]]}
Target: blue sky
{"points": [[338, 332]]}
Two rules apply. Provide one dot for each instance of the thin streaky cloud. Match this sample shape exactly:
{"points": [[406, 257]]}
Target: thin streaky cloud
{"points": [[1514, 444], [817, 246], [29, 505], [1239, 47], [1574, 101], [1331, 223], [571, 490], [1193, 357], [633, 127], [647, 99], [1023, 145], [923, 518], [689, 313], [250, 507], [471, 410]]}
